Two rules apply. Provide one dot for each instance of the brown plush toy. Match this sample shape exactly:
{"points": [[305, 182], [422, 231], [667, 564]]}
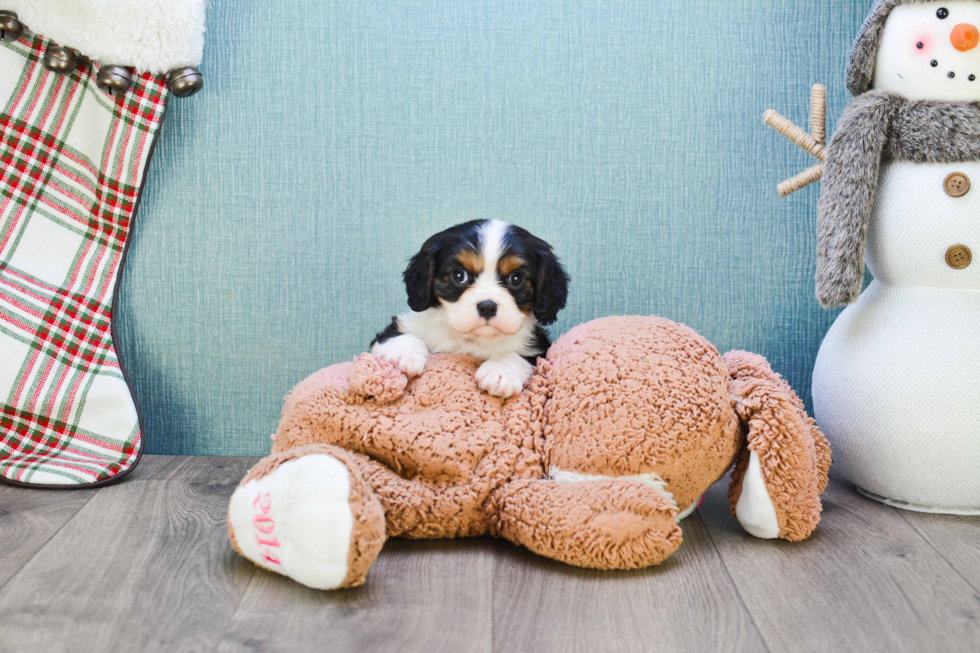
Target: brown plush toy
{"points": [[614, 439]]}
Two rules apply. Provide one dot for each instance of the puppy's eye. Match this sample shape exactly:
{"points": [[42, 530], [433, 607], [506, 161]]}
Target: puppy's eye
{"points": [[943, 13], [515, 279], [460, 275]]}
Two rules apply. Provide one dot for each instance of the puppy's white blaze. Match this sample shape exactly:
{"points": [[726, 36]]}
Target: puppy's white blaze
{"points": [[492, 235]]}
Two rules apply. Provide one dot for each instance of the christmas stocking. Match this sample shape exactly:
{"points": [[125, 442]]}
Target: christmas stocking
{"points": [[83, 87]]}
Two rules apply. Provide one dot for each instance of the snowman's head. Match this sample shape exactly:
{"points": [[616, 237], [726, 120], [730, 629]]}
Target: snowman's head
{"points": [[919, 49]]}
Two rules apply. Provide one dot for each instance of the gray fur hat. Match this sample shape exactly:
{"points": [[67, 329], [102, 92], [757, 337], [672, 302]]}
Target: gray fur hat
{"points": [[861, 66]]}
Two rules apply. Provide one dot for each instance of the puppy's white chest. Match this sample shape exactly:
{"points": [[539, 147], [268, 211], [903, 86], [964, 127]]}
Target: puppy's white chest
{"points": [[434, 330]]}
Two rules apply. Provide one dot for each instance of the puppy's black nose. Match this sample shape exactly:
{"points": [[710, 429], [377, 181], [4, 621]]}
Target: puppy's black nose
{"points": [[486, 309]]}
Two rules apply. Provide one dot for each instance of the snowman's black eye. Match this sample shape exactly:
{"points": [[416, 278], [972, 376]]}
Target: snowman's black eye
{"points": [[943, 13], [920, 45], [934, 63]]}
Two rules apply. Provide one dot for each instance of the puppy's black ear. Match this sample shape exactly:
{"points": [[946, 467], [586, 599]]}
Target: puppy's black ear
{"points": [[420, 274], [551, 290]]}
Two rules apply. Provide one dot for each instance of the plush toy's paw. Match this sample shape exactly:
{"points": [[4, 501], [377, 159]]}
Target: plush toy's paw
{"points": [[609, 523], [406, 352], [504, 376], [754, 509], [310, 518], [778, 478], [371, 376]]}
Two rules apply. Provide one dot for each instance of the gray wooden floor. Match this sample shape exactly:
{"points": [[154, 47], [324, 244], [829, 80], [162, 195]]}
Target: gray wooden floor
{"points": [[145, 565]]}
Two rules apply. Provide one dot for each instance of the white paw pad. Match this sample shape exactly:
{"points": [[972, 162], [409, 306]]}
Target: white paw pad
{"points": [[406, 352], [297, 520], [754, 509], [504, 378]]}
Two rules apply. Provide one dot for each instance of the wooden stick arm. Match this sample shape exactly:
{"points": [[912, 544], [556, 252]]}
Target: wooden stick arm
{"points": [[799, 137], [818, 113], [813, 142], [802, 180]]}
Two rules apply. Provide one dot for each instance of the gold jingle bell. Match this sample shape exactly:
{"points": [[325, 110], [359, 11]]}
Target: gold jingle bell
{"points": [[114, 80], [185, 82], [60, 60], [10, 27]]}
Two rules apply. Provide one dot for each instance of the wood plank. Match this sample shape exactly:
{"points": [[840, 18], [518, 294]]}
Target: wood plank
{"points": [[864, 581], [419, 596], [955, 538], [29, 518], [144, 566], [688, 603]]}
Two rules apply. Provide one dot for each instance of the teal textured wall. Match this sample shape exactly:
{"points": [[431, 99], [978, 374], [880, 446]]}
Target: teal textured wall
{"points": [[333, 137]]}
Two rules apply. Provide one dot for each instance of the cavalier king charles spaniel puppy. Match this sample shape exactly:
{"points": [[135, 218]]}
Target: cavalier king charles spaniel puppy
{"points": [[483, 289]]}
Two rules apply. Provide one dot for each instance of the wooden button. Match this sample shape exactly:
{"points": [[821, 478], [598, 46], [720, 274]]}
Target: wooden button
{"points": [[959, 257], [957, 184]]}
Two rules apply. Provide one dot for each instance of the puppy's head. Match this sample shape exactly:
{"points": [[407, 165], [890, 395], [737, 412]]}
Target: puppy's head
{"points": [[489, 277]]}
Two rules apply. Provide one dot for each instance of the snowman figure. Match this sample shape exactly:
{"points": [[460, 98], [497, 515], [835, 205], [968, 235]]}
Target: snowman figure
{"points": [[896, 385]]}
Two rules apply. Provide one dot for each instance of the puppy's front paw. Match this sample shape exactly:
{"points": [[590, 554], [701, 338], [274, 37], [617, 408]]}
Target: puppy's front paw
{"points": [[406, 352], [504, 377], [411, 364]]}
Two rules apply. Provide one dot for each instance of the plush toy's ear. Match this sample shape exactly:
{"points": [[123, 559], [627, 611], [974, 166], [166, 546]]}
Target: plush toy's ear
{"points": [[551, 289], [420, 274]]}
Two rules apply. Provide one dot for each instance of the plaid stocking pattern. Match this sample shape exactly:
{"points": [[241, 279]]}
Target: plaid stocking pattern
{"points": [[72, 160]]}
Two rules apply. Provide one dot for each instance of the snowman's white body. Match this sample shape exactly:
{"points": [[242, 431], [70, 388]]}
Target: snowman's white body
{"points": [[896, 386]]}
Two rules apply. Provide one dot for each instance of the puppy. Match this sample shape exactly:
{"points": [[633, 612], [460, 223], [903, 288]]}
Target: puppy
{"points": [[484, 289]]}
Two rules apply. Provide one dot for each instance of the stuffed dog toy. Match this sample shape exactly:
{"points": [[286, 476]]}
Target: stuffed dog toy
{"points": [[615, 437]]}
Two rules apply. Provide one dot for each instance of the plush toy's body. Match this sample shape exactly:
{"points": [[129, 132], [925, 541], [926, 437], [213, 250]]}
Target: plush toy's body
{"points": [[621, 428]]}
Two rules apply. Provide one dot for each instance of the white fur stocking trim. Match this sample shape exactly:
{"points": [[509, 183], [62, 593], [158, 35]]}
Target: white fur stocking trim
{"points": [[150, 35]]}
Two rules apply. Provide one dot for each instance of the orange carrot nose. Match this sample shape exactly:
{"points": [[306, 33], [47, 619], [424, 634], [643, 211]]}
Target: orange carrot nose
{"points": [[965, 37]]}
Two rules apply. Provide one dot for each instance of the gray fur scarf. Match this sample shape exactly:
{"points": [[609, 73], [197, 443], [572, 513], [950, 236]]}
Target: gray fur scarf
{"points": [[876, 126]]}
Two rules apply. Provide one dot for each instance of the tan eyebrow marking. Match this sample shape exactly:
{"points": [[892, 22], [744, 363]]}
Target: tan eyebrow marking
{"points": [[510, 263], [472, 261]]}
